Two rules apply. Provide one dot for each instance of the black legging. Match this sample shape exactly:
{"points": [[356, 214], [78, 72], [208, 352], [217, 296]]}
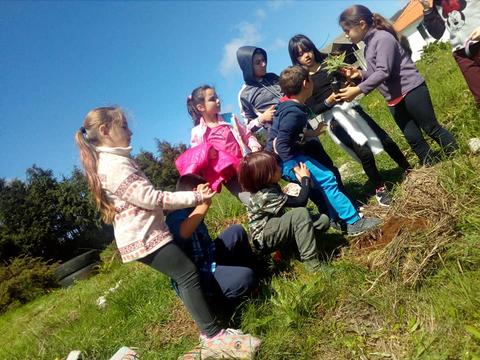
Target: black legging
{"points": [[171, 261], [364, 152], [414, 114]]}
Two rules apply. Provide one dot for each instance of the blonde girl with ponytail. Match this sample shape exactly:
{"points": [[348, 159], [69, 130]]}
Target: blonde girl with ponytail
{"points": [[126, 198]]}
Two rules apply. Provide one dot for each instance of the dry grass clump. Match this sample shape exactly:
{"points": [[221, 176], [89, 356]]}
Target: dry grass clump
{"points": [[417, 229]]}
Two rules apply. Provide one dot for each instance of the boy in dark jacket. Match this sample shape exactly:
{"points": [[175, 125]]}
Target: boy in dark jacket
{"points": [[285, 138], [260, 93]]}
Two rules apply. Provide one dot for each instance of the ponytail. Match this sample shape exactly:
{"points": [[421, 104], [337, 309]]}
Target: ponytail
{"points": [[355, 13], [197, 97], [381, 23], [87, 138]]}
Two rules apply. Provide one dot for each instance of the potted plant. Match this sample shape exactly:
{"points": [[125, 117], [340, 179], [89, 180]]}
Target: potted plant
{"points": [[332, 64]]}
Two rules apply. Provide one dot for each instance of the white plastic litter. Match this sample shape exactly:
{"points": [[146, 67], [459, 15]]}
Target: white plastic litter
{"points": [[102, 300], [474, 145]]}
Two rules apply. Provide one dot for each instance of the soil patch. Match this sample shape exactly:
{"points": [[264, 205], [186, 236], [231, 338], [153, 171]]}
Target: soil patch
{"points": [[379, 238]]}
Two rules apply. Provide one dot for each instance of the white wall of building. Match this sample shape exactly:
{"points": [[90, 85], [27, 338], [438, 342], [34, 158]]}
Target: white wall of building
{"points": [[416, 40]]}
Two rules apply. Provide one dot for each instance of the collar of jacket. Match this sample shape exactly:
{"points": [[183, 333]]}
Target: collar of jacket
{"points": [[369, 35], [121, 151]]}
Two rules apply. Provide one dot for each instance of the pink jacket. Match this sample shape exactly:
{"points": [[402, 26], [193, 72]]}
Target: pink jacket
{"points": [[242, 138], [215, 166]]}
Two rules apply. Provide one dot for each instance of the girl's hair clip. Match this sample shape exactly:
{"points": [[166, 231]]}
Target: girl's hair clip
{"points": [[189, 97], [83, 130]]}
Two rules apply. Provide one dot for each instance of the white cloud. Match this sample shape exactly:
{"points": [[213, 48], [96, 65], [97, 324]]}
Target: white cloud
{"points": [[249, 35], [261, 14], [278, 4], [228, 108], [278, 44]]}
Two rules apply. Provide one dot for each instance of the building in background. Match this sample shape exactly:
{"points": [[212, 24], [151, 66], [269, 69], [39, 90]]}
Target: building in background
{"points": [[409, 22]]}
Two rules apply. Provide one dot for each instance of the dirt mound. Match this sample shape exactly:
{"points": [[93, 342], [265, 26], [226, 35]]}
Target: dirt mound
{"points": [[416, 229]]}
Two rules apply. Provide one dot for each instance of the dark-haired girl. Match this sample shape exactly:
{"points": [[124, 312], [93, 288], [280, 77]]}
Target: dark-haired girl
{"points": [[270, 226], [390, 69], [223, 131], [360, 135]]}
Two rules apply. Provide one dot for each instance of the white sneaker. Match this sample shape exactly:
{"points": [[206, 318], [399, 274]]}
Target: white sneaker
{"points": [[228, 344]]}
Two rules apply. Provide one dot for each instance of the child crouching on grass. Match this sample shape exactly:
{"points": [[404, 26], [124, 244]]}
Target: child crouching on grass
{"points": [[225, 265], [127, 199], [271, 227]]}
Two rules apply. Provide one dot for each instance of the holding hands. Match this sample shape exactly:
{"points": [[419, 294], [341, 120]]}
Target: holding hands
{"points": [[351, 73], [475, 35], [206, 192], [301, 170], [267, 116], [348, 93]]}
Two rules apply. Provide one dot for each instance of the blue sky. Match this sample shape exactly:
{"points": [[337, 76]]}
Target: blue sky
{"points": [[60, 59]]}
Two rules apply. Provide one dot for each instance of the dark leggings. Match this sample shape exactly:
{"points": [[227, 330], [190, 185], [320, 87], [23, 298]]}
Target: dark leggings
{"points": [[414, 114], [171, 261], [363, 151]]}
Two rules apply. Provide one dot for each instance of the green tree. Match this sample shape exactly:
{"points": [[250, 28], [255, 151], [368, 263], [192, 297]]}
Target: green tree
{"points": [[47, 218], [161, 170]]}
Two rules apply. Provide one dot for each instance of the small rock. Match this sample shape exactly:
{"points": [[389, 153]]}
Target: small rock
{"points": [[74, 355], [125, 353], [474, 145], [347, 169], [102, 302]]}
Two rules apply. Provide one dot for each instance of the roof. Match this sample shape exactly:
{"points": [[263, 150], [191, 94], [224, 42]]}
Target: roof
{"points": [[410, 14], [340, 39]]}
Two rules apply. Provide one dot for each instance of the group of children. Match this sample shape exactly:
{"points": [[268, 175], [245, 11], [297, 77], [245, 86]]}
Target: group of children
{"points": [[225, 152]]}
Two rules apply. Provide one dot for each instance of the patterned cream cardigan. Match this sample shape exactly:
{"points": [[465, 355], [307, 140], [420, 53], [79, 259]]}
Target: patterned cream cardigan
{"points": [[139, 224]]}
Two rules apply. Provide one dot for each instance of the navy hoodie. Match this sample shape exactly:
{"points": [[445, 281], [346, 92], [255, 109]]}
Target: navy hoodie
{"points": [[255, 96], [287, 128]]}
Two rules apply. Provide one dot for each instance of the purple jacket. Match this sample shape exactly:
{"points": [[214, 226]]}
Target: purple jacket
{"points": [[389, 66]]}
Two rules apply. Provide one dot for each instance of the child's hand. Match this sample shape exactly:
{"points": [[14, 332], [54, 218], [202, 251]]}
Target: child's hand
{"points": [[267, 116], [475, 35], [331, 100], [301, 170], [348, 93], [207, 192], [351, 73]]}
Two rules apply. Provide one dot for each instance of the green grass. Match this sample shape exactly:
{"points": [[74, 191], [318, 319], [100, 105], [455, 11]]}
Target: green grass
{"points": [[347, 311]]}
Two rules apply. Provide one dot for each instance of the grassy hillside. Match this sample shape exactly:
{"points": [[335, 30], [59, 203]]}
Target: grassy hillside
{"points": [[410, 290]]}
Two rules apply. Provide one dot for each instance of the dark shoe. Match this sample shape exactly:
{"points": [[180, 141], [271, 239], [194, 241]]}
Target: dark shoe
{"points": [[312, 265], [362, 225], [383, 196], [339, 225], [321, 223]]}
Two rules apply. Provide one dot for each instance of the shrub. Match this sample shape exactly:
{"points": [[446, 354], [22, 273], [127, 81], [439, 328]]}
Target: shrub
{"points": [[109, 259], [23, 279]]}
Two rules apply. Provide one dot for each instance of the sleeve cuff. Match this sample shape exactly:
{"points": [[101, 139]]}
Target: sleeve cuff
{"points": [[327, 105]]}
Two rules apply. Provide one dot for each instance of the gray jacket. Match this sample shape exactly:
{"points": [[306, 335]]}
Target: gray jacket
{"points": [[255, 96], [389, 67]]}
